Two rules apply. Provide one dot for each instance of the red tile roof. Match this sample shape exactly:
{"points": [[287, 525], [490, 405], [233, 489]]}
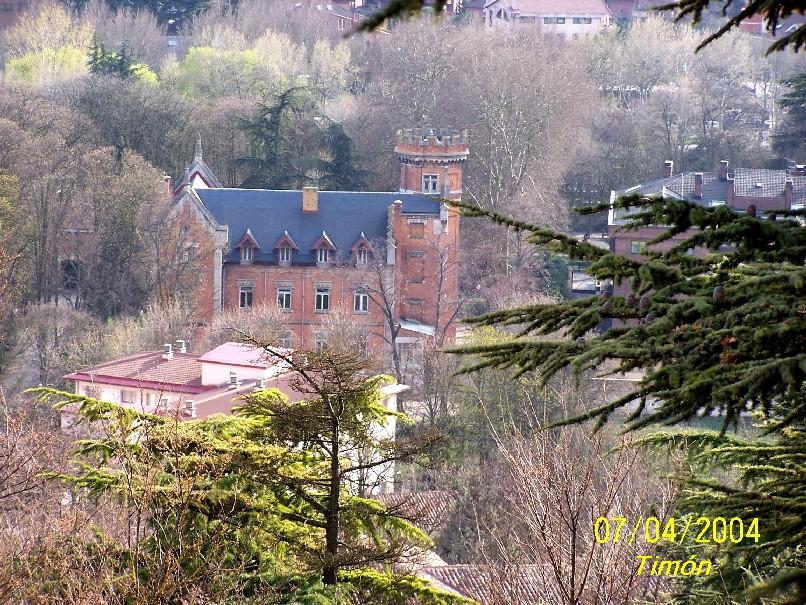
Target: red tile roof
{"points": [[238, 354], [181, 373], [428, 510], [488, 585]]}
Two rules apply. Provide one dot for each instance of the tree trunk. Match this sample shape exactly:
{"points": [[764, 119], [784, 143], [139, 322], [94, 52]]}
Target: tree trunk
{"points": [[330, 573]]}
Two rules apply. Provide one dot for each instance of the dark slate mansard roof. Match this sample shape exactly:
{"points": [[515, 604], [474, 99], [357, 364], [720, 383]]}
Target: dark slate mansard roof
{"points": [[342, 214]]}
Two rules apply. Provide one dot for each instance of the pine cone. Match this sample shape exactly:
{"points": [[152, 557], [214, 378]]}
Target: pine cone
{"points": [[718, 294]]}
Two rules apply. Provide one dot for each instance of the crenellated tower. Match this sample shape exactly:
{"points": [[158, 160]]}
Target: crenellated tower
{"points": [[431, 161]]}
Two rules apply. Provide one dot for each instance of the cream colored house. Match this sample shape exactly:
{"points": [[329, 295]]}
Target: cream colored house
{"points": [[568, 19]]}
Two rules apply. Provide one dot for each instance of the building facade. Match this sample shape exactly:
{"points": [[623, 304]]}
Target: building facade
{"points": [[382, 259], [564, 18]]}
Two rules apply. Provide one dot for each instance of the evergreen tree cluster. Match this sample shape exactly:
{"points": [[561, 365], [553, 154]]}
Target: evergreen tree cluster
{"points": [[296, 145], [721, 334]]}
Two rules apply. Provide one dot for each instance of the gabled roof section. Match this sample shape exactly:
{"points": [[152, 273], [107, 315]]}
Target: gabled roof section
{"points": [[324, 241], [247, 240], [757, 182], [286, 241], [361, 242]]}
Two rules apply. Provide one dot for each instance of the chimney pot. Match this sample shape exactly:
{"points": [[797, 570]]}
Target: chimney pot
{"points": [[167, 351], [698, 185], [180, 346], [310, 199]]}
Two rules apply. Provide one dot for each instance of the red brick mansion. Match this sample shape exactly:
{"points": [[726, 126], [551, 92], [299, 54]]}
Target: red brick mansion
{"points": [[313, 252]]}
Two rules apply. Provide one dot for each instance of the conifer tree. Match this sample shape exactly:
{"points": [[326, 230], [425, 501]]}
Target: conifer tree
{"points": [[270, 496], [722, 334]]}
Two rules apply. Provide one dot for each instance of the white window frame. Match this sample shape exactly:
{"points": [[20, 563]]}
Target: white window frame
{"points": [[322, 300], [128, 396], [430, 183], [636, 247], [246, 297], [284, 254], [284, 298], [247, 254], [323, 256], [360, 302], [361, 256]]}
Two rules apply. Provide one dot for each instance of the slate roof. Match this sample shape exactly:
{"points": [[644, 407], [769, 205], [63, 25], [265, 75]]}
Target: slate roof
{"points": [[713, 189], [343, 214]]}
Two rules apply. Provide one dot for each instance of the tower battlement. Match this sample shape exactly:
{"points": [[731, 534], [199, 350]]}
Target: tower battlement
{"points": [[431, 160]]}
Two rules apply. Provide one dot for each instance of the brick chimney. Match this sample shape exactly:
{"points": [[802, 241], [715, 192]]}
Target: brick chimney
{"points": [[668, 169], [431, 161], [723, 170], [698, 185], [310, 199]]}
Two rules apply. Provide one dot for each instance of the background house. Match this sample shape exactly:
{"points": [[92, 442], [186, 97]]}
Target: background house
{"points": [[564, 18], [762, 189]]}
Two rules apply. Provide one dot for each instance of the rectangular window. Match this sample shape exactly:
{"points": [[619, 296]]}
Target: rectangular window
{"points": [[127, 396], [284, 298], [361, 256], [430, 183], [148, 400], [246, 254], [360, 302], [284, 255], [417, 230], [637, 247], [553, 20], [245, 297], [582, 20], [322, 299], [285, 339], [323, 255]]}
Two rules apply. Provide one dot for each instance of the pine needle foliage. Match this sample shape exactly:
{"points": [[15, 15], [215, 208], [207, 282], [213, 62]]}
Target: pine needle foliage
{"points": [[722, 334], [242, 504]]}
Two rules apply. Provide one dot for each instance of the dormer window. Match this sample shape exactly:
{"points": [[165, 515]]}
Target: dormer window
{"points": [[247, 245], [430, 183], [323, 249], [361, 256], [285, 247]]}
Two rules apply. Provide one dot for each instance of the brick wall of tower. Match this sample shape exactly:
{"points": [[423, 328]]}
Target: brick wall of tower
{"points": [[427, 268]]}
